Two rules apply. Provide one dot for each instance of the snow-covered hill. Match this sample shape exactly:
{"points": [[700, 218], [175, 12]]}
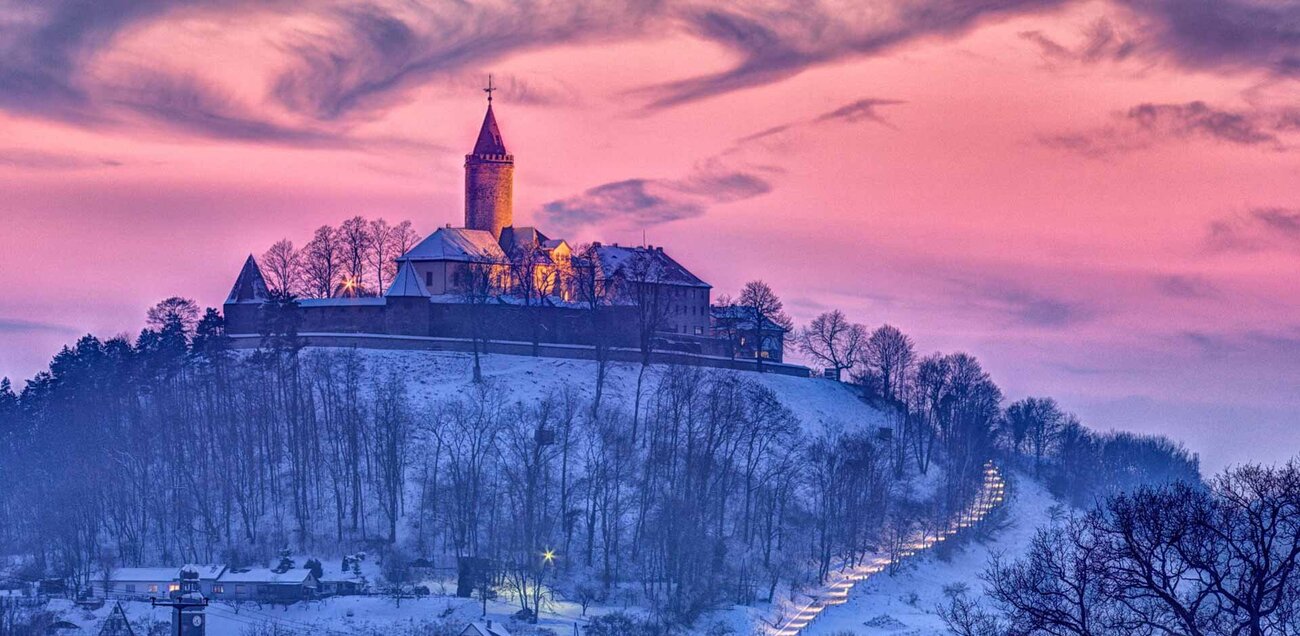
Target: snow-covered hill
{"points": [[903, 604], [436, 376]]}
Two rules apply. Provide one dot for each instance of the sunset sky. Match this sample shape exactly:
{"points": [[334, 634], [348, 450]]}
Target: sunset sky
{"points": [[1100, 200]]}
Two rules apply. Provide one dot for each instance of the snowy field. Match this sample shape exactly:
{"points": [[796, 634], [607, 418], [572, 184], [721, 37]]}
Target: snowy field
{"points": [[903, 604]]}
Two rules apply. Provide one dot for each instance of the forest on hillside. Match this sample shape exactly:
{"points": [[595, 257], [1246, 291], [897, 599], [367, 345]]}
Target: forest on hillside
{"points": [[706, 491]]}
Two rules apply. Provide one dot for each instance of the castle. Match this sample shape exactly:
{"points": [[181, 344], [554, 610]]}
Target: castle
{"points": [[493, 280]]}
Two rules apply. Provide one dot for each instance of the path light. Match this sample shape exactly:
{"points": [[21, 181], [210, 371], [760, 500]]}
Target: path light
{"points": [[837, 592]]}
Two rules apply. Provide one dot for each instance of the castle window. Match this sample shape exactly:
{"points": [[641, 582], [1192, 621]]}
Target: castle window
{"points": [[428, 279]]}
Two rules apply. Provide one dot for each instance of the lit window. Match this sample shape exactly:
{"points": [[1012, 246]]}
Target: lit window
{"points": [[153, 587], [218, 589], [174, 587]]}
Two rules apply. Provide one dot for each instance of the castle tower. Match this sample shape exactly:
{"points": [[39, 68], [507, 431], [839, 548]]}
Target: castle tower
{"points": [[489, 178]]}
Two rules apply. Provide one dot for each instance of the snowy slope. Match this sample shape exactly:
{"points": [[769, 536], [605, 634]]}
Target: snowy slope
{"points": [[904, 604], [434, 376]]}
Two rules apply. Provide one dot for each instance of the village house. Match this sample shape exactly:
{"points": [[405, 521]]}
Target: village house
{"points": [[139, 583], [208, 575], [266, 585], [484, 628]]}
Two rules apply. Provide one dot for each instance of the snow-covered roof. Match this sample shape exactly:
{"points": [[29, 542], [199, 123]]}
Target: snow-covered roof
{"points": [[146, 575], [294, 576], [480, 628], [655, 265], [207, 572], [457, 244], [250, 286], [407, 283]]}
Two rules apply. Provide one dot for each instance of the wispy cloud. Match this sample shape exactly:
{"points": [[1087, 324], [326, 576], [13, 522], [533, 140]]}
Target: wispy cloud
{"points": [[636, 203], [1018, 304], [16, 326], [29, 159], [1259, 229], [865, 109], [1101, 41], [776, 41], [1149, 124], [1185, 286]]}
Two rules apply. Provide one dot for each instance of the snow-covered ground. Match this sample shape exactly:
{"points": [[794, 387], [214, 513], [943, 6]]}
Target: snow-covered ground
{"points": [[344, 615], [903, 604], [434, 376]]}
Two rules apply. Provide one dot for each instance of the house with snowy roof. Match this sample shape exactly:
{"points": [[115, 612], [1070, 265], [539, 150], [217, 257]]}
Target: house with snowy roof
{"points": [[500, 267], [266, 585], [140, 583], [485, 628]]}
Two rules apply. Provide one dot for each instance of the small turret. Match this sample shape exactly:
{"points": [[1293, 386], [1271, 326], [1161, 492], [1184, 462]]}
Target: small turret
{"points": [[250, 287]]}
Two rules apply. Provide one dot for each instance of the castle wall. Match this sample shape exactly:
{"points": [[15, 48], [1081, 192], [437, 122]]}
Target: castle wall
{"points": [[420, 317]]}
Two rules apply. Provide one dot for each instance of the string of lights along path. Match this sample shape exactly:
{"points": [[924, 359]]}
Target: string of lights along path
{"points": [[836, 591]]}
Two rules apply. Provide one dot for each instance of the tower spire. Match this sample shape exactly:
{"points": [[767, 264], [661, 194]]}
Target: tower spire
{"points": [[489, 90]]}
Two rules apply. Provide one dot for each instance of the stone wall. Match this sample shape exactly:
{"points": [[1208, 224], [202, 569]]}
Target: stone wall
{"points": [[419, 317], [549, 350], [489, 192]]}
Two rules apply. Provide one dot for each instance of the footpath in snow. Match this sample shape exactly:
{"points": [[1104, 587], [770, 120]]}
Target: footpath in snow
{"points": [[904, 603]]}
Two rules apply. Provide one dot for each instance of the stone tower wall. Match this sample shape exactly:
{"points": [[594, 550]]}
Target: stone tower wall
{"points": [[489, 192]]}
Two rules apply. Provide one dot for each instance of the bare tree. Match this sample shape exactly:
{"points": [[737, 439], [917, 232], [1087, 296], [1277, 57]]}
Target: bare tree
{"points": [[404, 237], [532, 280], [283, 266], [833, 341], [322, 263], [887, 358], [391, 433], [767, 314], [1060, 585], [355, 243], [175, 312], [595, 295], [383, 253], [1036, 421], [475, 283]]}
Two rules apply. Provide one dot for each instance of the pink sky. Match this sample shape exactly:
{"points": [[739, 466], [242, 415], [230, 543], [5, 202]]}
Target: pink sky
{"points": [[1100, 200]]}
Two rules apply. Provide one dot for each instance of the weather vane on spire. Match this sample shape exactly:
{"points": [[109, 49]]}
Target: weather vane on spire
{"points": [[489, 89]]}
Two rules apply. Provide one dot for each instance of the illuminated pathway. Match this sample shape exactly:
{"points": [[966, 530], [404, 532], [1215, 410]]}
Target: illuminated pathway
{"points": [[836, 591]]}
